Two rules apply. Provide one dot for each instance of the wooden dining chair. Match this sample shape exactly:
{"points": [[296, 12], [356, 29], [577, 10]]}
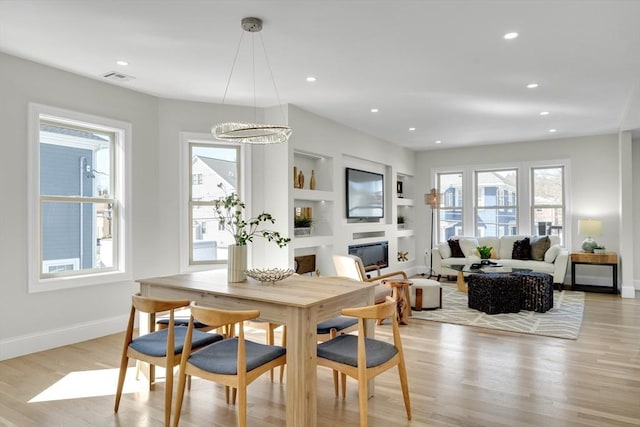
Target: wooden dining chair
{"points": [[326, 330], [351, 266], [158, 348], [364, 358], [234, 362]]}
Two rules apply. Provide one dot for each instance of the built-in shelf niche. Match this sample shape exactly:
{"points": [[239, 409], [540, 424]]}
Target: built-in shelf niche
{"points": [[320, 166]]}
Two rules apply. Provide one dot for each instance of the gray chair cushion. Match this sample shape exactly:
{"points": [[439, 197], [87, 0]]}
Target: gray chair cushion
{"points": [[344, 349], [222, 357], [338, 323], [180, 321], [155, 343]]}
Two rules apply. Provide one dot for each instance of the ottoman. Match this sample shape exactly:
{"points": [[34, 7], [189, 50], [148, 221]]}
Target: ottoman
{"points": [[537, 291], [426, 294], [495, 293]]}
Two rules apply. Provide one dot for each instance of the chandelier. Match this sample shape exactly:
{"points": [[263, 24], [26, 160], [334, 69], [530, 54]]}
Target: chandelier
{"points": [[252, 133]]}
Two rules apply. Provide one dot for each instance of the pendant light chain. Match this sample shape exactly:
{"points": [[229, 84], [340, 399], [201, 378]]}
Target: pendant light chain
{"points": [[233, 66], [273, 81]]}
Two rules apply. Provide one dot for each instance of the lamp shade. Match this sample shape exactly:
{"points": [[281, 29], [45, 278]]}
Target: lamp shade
{"points": [[589, 227]]}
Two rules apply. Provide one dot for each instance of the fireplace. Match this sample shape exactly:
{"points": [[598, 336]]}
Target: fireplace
{"points": [[372, 253]]}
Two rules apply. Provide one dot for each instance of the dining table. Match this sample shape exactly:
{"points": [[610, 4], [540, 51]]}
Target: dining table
{"points": [[299, 302]]}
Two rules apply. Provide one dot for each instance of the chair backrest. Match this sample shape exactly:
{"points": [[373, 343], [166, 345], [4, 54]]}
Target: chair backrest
{"points": [[152, 306], [376, 312], [217, 318], [350, 266]]}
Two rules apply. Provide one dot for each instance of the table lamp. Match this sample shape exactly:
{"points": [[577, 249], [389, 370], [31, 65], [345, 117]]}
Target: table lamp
{"points": [[589, 228]]}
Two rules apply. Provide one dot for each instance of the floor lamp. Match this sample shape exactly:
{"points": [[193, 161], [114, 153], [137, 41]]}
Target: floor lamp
{"points": [[432, 199]]}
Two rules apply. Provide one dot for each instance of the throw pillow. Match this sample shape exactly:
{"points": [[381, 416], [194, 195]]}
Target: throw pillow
{"points": [[521, 249], [456, 252], [539, 247], [468, 246], [551, 254], [445, 250]]}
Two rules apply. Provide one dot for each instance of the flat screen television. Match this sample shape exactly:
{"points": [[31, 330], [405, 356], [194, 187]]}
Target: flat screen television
{"points": [[365, 194]]}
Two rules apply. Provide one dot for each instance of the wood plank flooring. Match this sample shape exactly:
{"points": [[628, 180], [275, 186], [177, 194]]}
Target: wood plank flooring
{"points": [[458, 376]]}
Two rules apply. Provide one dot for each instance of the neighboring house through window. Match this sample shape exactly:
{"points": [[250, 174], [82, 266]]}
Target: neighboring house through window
{"points": [[215, 170], [77, 196], [527, 198]]}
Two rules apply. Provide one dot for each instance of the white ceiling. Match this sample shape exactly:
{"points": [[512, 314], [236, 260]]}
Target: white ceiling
{"points": [[442, 67]]}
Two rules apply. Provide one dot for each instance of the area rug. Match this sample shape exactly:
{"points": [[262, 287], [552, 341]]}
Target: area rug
{"points": [[562, 321]]}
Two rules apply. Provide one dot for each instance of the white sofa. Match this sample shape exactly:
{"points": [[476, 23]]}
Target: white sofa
{"points": [[554, 262]]}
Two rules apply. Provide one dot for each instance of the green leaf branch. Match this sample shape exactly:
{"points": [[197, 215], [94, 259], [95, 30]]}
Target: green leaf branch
{"points": [[229, 210]]}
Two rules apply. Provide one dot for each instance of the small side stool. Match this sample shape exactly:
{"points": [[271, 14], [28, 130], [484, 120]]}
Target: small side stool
{"points": [[400, 292], [426, 294]]}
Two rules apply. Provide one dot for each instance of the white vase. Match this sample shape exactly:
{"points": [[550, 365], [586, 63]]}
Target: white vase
{"points": [[237, 263]]}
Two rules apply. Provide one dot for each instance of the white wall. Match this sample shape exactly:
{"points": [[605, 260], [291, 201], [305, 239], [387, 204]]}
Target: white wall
{"points": [[593, 180], [32, 322], [348, 147]]}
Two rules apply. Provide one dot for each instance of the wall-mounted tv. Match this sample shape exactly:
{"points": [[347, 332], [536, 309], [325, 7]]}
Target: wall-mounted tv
{"points": [[365, 194]]}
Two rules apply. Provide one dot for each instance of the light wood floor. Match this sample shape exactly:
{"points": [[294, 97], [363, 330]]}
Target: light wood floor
{"points": [[458, 376]]}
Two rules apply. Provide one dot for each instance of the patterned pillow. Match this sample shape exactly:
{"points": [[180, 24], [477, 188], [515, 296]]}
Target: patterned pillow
{"points": [[539, 246], [521, 249], [456, 252]]}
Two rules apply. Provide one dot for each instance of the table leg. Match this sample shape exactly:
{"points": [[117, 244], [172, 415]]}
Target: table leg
{"points": [[462, 284], [302, 406]]}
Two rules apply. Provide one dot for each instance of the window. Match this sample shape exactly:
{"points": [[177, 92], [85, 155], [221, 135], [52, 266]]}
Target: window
{"points": [[496, 207], [210, 164], [547, 205], [77, 196], [450, 210], [519, 198]]}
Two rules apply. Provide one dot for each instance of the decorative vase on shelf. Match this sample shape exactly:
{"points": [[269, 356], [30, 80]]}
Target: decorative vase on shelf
{"points": [[295, 177], [300, 180], [237, 263], [312, 180]]}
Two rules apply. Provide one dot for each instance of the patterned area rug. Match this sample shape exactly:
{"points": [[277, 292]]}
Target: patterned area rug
{"points": [[562, 321]]}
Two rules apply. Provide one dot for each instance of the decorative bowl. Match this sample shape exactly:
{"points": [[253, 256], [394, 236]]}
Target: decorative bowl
{"points": [[269, 275]]}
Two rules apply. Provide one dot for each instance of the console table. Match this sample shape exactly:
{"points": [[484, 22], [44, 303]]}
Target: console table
{"points": [[606, 259]]}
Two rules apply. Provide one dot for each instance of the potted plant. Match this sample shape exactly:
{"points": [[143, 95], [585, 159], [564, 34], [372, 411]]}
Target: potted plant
{"points": [[229, 211], [400, 222], [599, 249], [484, 251], [302, 226]]}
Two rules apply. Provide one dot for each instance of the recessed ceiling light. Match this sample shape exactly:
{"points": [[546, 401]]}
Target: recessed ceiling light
{"points": [[122, 62], [553, 130], [374, 110], [412, 129], [438, 142], [510, 36], [544, 113], [311, 79], [532, 85]]}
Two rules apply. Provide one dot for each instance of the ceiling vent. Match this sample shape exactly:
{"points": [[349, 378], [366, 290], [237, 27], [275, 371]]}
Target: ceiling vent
{"points": [[117, 77]]}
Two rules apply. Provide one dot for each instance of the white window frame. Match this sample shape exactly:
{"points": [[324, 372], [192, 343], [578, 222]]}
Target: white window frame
{"points": [[563, 206], [524, 221], [244, 178], [497, 206], [437, 180], [122, 192]]}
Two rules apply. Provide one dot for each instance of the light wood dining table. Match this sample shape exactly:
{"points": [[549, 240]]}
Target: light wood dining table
{"points": [[300, 302]]}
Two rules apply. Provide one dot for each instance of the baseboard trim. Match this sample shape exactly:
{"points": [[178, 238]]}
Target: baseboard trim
{"points": [[52, 338]]}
